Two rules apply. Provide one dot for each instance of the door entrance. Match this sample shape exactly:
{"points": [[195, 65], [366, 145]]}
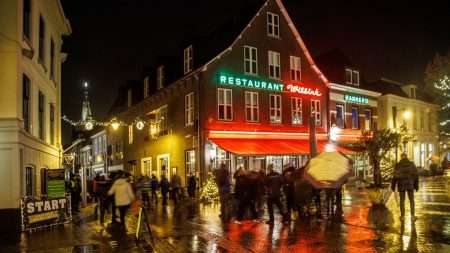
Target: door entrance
{"points": [[163, 163]]}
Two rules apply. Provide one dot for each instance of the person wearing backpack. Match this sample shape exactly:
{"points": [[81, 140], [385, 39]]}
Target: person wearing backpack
{"points": [[406, 178]]}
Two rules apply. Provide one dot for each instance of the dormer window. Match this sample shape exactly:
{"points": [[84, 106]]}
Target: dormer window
{"points": [[351, 76], [188, 59], [146, 87], [160, 77], [412, 92], [273, 25]]}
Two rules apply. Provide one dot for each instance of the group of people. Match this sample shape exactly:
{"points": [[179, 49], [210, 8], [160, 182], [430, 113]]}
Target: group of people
{"points": [[288, 191]]}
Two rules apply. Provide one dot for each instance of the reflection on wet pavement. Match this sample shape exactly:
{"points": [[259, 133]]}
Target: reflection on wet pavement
{"points": [[197, 228]]}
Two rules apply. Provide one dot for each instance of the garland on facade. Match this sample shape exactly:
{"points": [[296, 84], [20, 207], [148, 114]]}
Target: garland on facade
{"points": [[114, 123]]}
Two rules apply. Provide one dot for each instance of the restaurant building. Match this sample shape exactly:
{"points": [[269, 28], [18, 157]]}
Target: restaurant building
{"points": [[239, 98], [353, 106]]}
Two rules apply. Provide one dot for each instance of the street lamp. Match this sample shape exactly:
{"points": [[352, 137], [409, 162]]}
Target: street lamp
{"points": [[407, 115]]}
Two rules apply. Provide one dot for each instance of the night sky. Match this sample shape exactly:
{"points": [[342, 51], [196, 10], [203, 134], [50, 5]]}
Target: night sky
{"points": [[112, 40]]}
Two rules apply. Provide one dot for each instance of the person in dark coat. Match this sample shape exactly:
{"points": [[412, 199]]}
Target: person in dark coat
{"points": [[223, 181], [288, 189], [192, 185], [406, 179], [154, 186], [246, 192], [274, 183], [164, 185]]}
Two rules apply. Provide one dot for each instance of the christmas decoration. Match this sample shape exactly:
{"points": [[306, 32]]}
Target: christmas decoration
{"points": [[210, 191]]}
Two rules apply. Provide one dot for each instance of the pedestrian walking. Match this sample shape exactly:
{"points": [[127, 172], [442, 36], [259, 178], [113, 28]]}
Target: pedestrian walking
{"points": [[123, 196], [192, 185], [288, 190], [164, 186], [274, 183], [261, 192], [102, 196], [154, 186], [222, 177], [144, 186], [75, 192], [406, 179], [175, 184]]}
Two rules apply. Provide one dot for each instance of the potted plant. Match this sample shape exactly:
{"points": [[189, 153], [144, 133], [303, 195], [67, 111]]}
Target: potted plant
{"points": [[377, 146]]}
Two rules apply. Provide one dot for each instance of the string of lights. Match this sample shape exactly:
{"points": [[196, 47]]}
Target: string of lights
{"points": [[114, 123]]}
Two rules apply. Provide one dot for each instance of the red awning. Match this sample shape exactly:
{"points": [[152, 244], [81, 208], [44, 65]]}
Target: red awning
{"points": [[261, 147]]}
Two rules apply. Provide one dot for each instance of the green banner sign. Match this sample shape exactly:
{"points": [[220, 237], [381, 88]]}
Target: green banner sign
{"points": [[56, 186], [356, 99]]}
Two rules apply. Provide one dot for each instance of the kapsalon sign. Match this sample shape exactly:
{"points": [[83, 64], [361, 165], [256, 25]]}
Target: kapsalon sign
{"points": [[254, 83], [356, 99]]}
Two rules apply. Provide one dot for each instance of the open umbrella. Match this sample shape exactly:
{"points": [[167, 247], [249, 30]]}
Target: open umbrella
{"points": [[328, 170]]}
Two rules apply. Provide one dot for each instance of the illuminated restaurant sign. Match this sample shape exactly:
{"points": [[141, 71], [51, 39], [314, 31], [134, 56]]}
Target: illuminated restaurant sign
{"points": [[254, 83], [356, 99]]}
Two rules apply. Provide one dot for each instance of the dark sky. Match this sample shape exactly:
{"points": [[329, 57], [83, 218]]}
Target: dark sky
{"points": [[112, 40]]}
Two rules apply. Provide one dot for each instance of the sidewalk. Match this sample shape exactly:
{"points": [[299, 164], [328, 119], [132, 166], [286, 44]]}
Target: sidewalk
{"points": [[197, 228]]}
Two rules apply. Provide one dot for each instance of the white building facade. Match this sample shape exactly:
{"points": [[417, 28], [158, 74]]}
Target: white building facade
{"points": [[30, 95]]}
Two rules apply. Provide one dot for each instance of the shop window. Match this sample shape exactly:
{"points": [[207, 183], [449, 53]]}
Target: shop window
{"points": [[295, 68], [316, 111], [188, 59], [273, 25], [274, 65], [275, 108], [296, 107], [251, 106], [190, 162], [26, 102], [250, 60], [355, 118], [368, 119], [340, 116], [189, 109], [224, 104]]}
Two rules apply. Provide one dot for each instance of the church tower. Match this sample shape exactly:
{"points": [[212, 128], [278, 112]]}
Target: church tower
{"points": [[86, 113]]}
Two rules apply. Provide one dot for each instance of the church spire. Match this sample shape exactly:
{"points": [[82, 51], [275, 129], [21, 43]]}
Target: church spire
{"points": [[86, 113]]}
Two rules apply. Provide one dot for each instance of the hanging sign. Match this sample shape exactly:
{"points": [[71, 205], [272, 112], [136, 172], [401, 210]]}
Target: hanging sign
{"points": [[356, 99], [45, 212], [56, 185], [255, 83]]}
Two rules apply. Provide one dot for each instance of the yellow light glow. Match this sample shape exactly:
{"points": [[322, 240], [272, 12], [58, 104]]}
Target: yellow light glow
{"points": [[407, 114], [140, 125], [115, 125], [89, 126]]}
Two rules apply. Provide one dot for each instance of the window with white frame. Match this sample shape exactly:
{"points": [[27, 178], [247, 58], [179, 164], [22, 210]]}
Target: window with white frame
{"points": [[224, 104], [275, 108], [274, 65], [189, 109], [351, 76], [296, 108], [316, 111], [368, 119], [250, 60], [251, 106], [29, 181], [190, 162], [340, 116], [160, 77], [130, 134], [295, 68], [273, 24], [188, 59]]}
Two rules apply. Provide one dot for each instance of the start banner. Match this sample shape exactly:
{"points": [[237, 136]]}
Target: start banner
{"points": [[40, 213]]}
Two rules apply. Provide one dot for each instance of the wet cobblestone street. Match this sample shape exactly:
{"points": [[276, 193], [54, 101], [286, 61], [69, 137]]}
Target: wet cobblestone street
{"points": [[197, 228]]}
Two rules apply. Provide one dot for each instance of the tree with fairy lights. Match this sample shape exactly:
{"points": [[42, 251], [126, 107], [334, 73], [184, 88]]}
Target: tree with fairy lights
{"points": [[437, 81], [210, 191]]}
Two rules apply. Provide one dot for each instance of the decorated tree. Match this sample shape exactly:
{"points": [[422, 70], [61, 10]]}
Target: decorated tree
{"points": [[378, 145], [437, 81], [210, 191]]}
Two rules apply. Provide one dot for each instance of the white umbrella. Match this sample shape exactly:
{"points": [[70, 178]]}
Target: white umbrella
{"points": [[328, 170]]}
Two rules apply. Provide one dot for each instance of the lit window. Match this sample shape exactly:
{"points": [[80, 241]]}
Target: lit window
{"points": [[340, 116], [190, 162], [274, 65], [273, 25], [130, 134], [315, 110], [368, 119], [275, 108], [189, 109], [250, 60], [224, 104], [296, 106], [295, 68], [251, 106], [188, 59], [355, 118], [160, 77]]}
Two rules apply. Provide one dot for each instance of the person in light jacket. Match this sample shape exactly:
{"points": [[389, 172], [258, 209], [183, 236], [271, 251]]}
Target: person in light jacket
{"points": [[123, 196]]}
